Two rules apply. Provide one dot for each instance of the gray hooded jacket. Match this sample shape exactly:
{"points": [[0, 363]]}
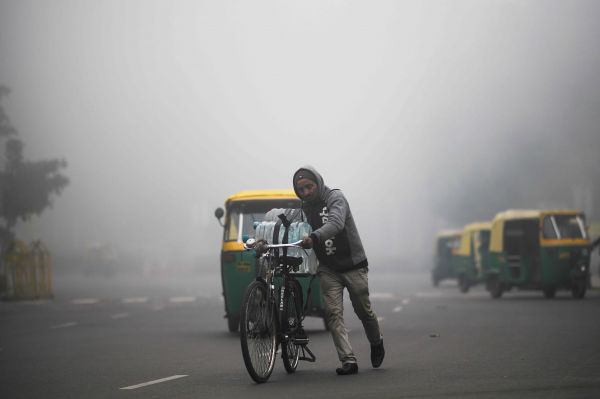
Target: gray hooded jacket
{"points": [[335, 237]]}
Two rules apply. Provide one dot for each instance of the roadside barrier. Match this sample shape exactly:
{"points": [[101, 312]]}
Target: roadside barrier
{"points": [[27, 271], [42, 264]]}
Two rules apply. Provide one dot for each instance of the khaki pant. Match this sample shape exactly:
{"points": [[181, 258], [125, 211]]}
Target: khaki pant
{"points": [[332, 289]]}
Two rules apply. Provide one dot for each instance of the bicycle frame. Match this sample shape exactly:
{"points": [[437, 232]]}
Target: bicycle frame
{"points": [[275, 298], [262, 330]]}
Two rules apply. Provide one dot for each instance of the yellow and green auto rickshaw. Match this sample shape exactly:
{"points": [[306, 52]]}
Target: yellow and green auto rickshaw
{"points": [[472, 257], [238, 266], [540, 250], [446, 243]]}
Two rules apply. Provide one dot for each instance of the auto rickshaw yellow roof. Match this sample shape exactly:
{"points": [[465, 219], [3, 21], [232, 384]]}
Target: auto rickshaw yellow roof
{"points": [[475, 226], [467, 236], [262, 195], [561, 212], [496, 242], [518, 214], [448, 233], [512, 214]]}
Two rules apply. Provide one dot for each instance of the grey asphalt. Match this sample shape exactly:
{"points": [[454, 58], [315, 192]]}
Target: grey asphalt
{"points": [[100, 335]]}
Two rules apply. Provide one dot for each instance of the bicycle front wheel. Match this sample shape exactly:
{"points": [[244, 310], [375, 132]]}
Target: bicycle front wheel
{"points": [[258, 333], [292, 310]]}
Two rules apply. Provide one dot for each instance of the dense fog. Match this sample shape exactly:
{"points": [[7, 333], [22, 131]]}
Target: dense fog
{"points": [[427, 114]]}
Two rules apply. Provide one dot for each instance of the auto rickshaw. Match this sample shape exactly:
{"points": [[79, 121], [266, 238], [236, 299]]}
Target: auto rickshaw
{"points": [[539, 250], [238, 266], [446, 243], [594, 235], [472, 257]]}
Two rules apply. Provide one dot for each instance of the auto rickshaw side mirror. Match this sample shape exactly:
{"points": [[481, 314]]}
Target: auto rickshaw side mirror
{"points": [[219, 212]]}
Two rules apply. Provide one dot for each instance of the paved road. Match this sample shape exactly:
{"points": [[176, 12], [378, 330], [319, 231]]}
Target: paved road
{"points": [[102, 335]]}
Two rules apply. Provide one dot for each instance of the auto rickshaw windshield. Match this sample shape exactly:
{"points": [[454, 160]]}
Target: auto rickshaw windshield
{"points": [[447, 245], [241, 216], [561, 227]]}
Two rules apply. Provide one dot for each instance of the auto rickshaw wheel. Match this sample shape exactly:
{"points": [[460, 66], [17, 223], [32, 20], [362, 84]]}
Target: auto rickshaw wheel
{"points": [[463, 283], [495, 287], [233, 323], [549, 292], [435, 280], [578, 288]]}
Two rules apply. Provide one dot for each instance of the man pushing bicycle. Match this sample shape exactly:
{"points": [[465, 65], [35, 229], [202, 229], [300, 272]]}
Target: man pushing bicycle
{"points": [[342, 264]]}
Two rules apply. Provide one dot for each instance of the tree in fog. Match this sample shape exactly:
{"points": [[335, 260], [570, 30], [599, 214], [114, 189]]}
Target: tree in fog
{"points": [[540, 172], [26, 187]]}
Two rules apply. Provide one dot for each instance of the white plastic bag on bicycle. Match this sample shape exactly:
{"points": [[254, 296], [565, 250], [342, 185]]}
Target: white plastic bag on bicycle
{"points": [[297, 230]]}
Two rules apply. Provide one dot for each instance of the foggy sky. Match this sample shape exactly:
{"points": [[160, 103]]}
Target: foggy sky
{"points": [[163, 109]]}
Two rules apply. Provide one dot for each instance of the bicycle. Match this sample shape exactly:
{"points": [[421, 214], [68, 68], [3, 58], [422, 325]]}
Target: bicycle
{"points": [[271, 317]]}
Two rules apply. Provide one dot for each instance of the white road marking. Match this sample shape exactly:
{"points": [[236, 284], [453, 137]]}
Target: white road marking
{"points": [[398, 309], [65, 325], [380, 318], [382, 295], [119, 315], [85, 301], [141, 299], [453, 294], [405, 301], [477, 294], [182, 299], [428, 294], [145, 384]]}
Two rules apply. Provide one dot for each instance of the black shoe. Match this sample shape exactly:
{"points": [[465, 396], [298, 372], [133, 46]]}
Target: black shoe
{"points": [[347, 369], [377, 354]]}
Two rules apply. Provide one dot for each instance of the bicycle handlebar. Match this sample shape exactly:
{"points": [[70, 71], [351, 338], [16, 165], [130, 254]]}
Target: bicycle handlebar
{"points": [[252, 242], [289, 245]]}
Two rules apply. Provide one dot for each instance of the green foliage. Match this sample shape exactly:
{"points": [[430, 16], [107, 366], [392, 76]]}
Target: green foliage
{"points": [[6, 128], [26, 187], [29, 187]]}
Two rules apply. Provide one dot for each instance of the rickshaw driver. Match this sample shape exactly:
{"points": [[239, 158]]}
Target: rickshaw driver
{"points": [[342, 264]]}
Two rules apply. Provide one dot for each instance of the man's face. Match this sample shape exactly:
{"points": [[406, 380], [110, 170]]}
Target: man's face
{"points": [[307, 189]]}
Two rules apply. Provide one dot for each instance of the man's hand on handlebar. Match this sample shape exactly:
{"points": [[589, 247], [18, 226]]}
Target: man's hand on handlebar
{"points": [[307, 242], [260, 247]]}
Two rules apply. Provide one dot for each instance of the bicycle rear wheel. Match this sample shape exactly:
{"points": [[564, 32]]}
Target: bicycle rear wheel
{"points": [[258, 333], [292, 311]]}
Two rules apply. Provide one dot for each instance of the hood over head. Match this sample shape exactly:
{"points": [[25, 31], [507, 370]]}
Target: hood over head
{"points": [[311, 173]]}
